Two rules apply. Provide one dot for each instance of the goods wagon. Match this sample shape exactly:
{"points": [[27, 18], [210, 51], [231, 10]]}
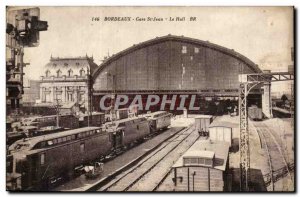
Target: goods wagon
{"points": [[202, 123], [203, 167], [65, 121], [255, 113], [95, 120], [220, 134]]}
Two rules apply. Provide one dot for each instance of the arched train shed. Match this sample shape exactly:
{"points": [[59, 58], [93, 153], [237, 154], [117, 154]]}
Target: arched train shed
{"points": [[174, 65]]}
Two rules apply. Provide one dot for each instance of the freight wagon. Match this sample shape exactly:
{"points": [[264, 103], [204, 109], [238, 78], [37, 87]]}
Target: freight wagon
{"points": [[202, 123], [95, 120], [220, 133], [255, 113], [203, 167], [159, 120]]}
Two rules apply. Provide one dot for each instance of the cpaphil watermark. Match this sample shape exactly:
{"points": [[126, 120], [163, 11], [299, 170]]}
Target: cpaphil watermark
{"points": [[174, 102]]}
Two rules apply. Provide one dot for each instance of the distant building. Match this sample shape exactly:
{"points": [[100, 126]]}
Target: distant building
{"points": [[31, 92], [66, 80]]}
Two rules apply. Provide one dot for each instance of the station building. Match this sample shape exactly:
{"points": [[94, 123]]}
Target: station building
{"points": [[66, 81], [176, 65]]}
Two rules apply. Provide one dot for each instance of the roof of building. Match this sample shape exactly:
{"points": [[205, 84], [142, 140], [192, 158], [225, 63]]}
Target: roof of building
{"points": [[72, 62], [223, 124], [200, 153], [169, 37], [206, 148], [203, 116]]}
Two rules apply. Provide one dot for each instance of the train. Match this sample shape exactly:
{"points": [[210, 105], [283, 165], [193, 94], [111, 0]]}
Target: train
{"points": [[255, 113], [65, 121], [159, 120], [40, 162]]}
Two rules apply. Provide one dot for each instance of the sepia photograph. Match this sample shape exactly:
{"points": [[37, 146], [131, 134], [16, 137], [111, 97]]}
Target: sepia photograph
{"points": [[150, 99]]}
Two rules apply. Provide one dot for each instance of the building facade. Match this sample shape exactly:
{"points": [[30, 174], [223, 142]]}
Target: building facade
{"points": [[66, 82]]}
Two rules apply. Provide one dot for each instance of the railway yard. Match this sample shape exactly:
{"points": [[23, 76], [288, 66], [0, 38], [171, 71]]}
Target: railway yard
{"points": [[148, 166], [167, 114]]}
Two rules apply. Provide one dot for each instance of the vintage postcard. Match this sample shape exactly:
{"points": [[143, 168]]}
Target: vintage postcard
{"points": [[150, 99]]}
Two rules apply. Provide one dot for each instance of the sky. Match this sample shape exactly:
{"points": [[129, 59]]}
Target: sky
{"points": [[263, 34]]}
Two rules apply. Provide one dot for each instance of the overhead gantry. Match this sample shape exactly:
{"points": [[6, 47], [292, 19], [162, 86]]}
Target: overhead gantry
{"points": [[247, 83]]}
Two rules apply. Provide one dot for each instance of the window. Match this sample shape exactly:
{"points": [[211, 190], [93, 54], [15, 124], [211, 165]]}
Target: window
{"points": [[70, 73], [184, 49], [48, 73], [82, 147], [59, 73], [70, 97], [64, 139], [42, 159], [73, 137], [68, 138], [55, 141], [196, 50], [201, 161], [81, 97], [208, 162], [50, 142], [59, 140], [43, 144], [82, 72]]}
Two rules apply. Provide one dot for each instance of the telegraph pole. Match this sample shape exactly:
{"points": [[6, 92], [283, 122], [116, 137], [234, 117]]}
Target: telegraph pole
{"points": [[57, 106]]}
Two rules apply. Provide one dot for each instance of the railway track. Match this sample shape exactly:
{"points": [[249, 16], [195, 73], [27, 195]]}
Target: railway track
{"points": [[137, 178], [280, 177]]}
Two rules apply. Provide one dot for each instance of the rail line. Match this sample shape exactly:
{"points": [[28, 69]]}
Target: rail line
{"points": [[127, 180], [279, 168]]}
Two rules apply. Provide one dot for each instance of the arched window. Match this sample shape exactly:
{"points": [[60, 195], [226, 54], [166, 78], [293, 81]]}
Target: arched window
{"points": [[58, 73], [82, 72], [48, 73], [70, 73]]}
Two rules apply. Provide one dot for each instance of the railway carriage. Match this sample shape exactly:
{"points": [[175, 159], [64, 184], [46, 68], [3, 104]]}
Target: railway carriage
{"points": [[159, 120], [126, 131], [37, 162]]}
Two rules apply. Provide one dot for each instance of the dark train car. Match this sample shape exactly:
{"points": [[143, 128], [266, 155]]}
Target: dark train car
{"points": [[95, 120], [40, 161], [159, 120], [255, 113], [11, 137], [65, 121], [127, 131]]}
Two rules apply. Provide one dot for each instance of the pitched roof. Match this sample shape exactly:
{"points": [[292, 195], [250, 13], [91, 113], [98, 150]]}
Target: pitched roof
{"points": [[72, 62]]}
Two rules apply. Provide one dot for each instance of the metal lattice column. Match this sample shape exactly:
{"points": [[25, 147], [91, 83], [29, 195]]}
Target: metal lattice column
{"points": [[244, 138]]}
